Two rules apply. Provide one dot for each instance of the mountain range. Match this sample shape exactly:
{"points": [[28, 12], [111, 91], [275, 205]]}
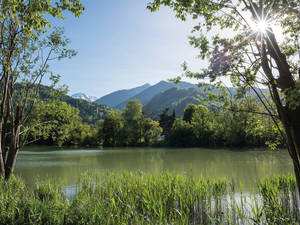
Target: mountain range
{"points": [[155, 98], [119, 97], [146, 95]]}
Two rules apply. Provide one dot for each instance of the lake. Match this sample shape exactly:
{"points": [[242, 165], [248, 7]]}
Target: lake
{"points": [[244, 165]]}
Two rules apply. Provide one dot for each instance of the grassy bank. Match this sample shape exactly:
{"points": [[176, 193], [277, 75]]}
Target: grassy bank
{"points": [[139, 198]]}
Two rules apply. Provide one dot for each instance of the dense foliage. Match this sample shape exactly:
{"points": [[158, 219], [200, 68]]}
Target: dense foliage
{"points": [[58, 123], [129, 127], [139, 198], [203, 127]]}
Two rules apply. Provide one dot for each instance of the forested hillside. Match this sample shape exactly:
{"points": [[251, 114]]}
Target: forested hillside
{"points": [[88, 111], [175, 99]]}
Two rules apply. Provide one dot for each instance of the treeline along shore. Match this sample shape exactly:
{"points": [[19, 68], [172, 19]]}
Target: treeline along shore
{"points": [[238, 123]]}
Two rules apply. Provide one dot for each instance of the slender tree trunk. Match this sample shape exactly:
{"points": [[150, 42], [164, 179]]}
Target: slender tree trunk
{"points": [[14, 144], [2, 112], [2, 166], [12, 154], [11, 161]]}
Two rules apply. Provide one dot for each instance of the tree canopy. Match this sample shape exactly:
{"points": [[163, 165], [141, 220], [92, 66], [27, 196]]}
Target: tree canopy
{"points": [[25, 52], [254, 43]]}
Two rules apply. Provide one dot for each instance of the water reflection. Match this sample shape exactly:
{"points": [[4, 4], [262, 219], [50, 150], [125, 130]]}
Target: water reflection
{"points": [[66, 164]]}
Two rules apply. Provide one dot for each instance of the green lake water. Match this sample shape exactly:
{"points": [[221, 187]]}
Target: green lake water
{"points": [[244, 165]]}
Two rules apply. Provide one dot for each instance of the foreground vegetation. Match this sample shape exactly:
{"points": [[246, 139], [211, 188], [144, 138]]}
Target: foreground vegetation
{"points": [[139, 198]]}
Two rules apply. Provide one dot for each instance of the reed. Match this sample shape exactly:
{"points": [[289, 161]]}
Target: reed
{"points": [[140, 198]]}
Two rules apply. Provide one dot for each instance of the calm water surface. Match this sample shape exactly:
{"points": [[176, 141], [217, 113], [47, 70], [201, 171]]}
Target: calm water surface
{"points": [[244, 165]]}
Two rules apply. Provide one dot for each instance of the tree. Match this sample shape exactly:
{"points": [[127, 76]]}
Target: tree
{"points": [[54, 123], [239, 39], [111, 130], [152, 131], [166, 121], [25, 53], [189, 112], [237, 125], [181, 134], [133, 122], [202, 120]]}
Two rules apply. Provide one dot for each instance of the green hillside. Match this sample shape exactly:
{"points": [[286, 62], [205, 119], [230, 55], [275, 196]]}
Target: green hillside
{"points": [[88, 111], [175, 98]]}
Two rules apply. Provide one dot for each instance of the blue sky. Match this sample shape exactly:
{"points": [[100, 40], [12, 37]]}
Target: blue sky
{"points": [[121, 45]]}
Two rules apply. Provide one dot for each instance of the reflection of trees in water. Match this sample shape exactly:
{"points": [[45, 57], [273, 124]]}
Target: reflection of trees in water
{"points": [[244, 166]]}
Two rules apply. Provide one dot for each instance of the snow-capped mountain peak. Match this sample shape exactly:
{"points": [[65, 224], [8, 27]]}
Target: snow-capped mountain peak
{"points": [[84, 97]]}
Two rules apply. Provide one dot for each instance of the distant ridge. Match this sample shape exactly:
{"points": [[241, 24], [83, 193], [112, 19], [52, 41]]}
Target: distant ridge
{"points": [[145, 96], [115, 98]]}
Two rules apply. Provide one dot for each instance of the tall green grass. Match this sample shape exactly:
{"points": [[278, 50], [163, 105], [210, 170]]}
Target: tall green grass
{"points": [[140, 198]]}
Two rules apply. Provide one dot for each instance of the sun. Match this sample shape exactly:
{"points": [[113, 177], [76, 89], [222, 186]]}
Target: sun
{"points": [[261, 26]]}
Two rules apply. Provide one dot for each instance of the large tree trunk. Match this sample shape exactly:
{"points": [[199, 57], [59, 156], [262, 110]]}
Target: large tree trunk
{"points": [[293, 146], [294, 117], [285, 82], [293, 133], [297, 174], [290, 120]]}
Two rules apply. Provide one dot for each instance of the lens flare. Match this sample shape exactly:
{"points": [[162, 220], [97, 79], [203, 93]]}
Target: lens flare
{"points": [[261, 26]]}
